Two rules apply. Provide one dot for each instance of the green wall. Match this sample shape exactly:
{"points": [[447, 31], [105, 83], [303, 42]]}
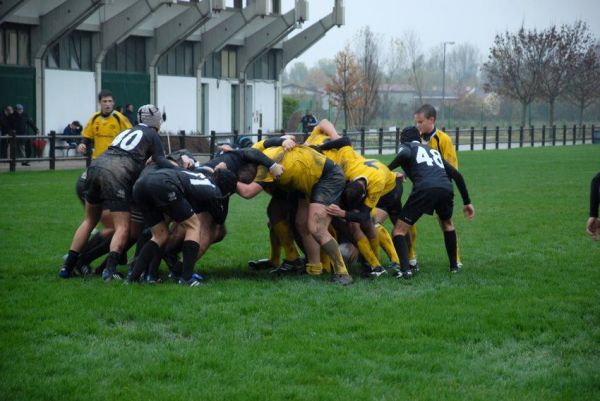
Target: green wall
{"points": [[17, 85], [128, 87]]}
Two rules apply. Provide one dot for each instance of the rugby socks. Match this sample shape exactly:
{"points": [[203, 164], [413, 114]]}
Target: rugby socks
{"points": [[325, 261], [401, 245], [95, 240], [412, 253], [284, 235], [275, 247], [112, 260], [385, 241], [101, 248], [314, 269], [364, 247], [71, 260], [190, 254], [333, 250], [374, 242], [144, 258], [141, 241], [450, 242]]}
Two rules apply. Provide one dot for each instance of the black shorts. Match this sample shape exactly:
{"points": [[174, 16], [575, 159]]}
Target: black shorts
{"points": [[427, 201], [80, 187], [330, 186], [103, 187], [218, 208], [156, 197], [392, 201]]}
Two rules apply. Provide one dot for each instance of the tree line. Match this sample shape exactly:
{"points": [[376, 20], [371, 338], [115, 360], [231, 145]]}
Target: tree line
{"points": [[372, 82]]}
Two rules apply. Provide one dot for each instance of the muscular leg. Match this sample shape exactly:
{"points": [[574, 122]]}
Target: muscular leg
{"points": [[311, 246], [318, 222], [450, 243], [117, 244], [92, 216]]}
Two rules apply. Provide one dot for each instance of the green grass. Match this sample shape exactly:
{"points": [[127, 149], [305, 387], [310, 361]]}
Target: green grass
{"points": [[521, 322]]}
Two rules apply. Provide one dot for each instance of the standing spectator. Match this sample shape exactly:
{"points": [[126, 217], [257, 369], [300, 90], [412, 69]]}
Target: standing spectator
{"points": [[5, 129], [309, 121], [103, 126], [130, 114], [74, 130], [20, 123]]}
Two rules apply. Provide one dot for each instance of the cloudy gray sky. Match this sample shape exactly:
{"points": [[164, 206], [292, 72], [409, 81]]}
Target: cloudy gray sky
{"points": [[436, 21]]}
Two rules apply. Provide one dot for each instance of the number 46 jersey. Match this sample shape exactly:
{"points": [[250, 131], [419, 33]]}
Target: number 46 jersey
{"points": [[423, 165]]}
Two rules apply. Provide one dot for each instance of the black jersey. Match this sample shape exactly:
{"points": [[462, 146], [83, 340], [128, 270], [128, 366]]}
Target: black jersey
{"points": [[198, 188], [126, 156], [423, 165], [237, 158]]}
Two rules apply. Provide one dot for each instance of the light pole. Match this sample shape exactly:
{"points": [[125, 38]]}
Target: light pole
{"points": [[442, 114]]}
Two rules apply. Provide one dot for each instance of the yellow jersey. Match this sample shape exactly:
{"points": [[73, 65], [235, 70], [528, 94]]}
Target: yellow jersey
{"points": [[302, 168], [441, 142], [102, 130]]}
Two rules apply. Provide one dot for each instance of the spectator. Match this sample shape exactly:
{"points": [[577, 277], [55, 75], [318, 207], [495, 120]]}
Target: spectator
{"points": [[21, 123], [73, 129], [130, 114], [309, 121], [5, 130]]}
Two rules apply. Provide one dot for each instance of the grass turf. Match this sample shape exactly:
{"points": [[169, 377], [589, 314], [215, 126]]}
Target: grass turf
{"points": [[521, 321]]}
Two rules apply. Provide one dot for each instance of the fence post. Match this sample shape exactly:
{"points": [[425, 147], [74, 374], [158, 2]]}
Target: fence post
{"points": [[344, 132], [497, 137], [531, 134], [235, 136], [564, 134], [484, 137], [592, 136], [259, 136], [13, 151], [182, 139], [574, 134], [554, 135], [544, 135], [211, 147], [52, 150], [457, 137], [521, 134], [472, 137], [583, 133], [509, 136], [362, 141], [397, 142], [380, 139]]}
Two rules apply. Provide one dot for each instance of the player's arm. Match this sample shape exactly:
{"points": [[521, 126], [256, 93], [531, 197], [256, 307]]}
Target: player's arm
{"points": [[87, 136], [462, 188], [363, 213], [256, 157], [327, 128], [248, 191], [158, 153], [402, 157], [286, 141], [335, 144], [593, 224]]}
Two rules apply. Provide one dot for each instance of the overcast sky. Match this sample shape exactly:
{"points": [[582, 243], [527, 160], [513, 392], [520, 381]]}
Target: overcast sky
{"points": [[436, 21]]}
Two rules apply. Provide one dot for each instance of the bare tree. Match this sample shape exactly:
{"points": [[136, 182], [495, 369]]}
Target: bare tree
{"points": [[344, 85], [567, 46], [514, 66], [416, 61], [368, 60], [584, 87], [463, 66]]}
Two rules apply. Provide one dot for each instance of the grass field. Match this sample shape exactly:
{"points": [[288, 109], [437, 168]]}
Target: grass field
{"points": [[520, 322]]}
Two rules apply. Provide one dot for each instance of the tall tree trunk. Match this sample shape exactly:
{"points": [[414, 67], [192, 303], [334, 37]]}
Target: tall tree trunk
{"points": [[581, 108], [551, 116], [345, 113], [523, 113]]}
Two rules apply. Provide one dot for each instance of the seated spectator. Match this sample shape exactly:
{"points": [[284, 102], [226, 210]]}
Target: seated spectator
{"points": [[73, 129]]}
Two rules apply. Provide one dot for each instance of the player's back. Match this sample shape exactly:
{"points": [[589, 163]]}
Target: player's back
{"points": [[424, 166]]}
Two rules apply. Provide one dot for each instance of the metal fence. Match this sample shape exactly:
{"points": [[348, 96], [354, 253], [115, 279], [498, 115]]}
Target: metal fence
{"points": [[53, 148]]}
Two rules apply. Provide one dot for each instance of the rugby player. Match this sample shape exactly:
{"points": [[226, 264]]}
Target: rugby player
{"points": [[109, 183], [593, 223], [432, 191]]}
